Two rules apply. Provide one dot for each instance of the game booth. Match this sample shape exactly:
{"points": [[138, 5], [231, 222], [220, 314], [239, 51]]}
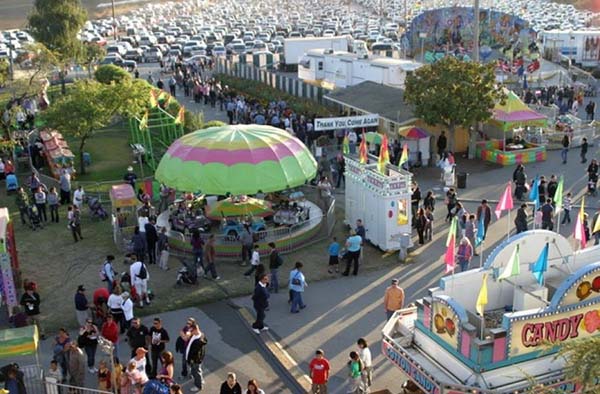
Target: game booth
{"points": [[381, 201], [9, 263], [57, 152], [492, 329], [512, 145], [230, 177]]}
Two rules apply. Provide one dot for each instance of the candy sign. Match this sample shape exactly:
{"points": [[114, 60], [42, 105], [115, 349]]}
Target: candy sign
{"points": [[528, 335], [418, 376]]}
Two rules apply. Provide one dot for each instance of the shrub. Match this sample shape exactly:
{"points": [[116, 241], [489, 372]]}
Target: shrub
{"points": [[213, 123], [109, 73]]}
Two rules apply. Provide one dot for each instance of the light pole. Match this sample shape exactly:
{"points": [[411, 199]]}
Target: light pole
{"points": [[114, 20], [422, 36], [476, 31]]}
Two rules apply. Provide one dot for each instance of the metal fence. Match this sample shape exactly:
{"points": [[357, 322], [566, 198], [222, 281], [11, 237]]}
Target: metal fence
{"points": [[291, 85], [51, 386], [33, 379]]}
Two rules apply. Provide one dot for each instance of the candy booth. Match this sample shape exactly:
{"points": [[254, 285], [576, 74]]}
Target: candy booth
{"points": [[491, 329]]}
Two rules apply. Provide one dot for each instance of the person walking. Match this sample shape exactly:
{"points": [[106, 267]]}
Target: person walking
{"points": [[393, 299], [275, 262], [82, 306], [429, 201], [127, 307], [551, 187], [65, 187], [254, 261], [198, 250], [421, 224], [108, 273], [159, 337], [451, 200], [110, 331], [151, 240], [355, 367], [260, 300], [194, 355], [53, 202], [485, 211], [565, 148], [584, 149], [464, 254], [441, 144], [334, 256], [231, 385], [74, 218], [521, 219], [22, 202], [566, 209], [471, 231], [210, 254], [247, 240], [182, 341], [138, 242], [296, 284], [319, 373], [547, 213], [76, 365], [415, 200], [353, 247], [367, 363], [78, 197], [520, 179], [30, 301], [162, 246], [138, 336], [115, 304], [41, 202], [88, 340], [139, 278]]}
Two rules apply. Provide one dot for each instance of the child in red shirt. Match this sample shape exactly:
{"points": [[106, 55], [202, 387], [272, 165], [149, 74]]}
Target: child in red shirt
{"points": [[319, 372]]}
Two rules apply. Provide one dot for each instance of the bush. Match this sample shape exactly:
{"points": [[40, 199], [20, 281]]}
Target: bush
{"points": [[110, 73], [213, 123]]}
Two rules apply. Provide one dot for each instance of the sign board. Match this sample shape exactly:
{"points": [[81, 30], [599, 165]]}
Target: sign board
{"points": [[348, 122], [445, 323], [529, 335], [412, 370]]}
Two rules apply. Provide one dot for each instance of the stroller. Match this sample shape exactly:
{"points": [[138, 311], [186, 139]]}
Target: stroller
{"points": [[35, 221], [12, 184], [592, 182], [96, 209], [187, 274]]}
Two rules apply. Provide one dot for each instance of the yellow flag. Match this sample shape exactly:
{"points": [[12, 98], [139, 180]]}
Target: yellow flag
{"points": [[482, 298], [596, 225]]}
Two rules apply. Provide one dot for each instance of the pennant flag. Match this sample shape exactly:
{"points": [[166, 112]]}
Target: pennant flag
{"points": [[534, 193], [513, 267], [579, 228], [480, 231], [482, 298], [596, 225], [180, 115], [506, 201], [144, 121], [558, 195], [449, 257], [362, 149], [384, 155], [541, 265], [346, 145], [153, 100], [404, 156]]}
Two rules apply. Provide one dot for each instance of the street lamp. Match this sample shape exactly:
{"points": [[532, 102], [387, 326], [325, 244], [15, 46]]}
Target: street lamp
{"points": [[476, 31], [423, 36], [114, 20]]}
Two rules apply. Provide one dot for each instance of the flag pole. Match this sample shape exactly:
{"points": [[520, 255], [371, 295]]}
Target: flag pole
{"points": [[508, 226], [482, 326], [481, 253]]}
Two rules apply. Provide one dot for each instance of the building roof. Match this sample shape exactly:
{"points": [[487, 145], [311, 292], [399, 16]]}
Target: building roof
{"points": [[375, 98]]}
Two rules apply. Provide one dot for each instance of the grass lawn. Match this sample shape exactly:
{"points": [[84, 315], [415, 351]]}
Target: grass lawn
{"points": [[52, 259]]}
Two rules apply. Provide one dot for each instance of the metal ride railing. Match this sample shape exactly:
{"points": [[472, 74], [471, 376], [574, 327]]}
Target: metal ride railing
{"points": [[53, 387], [33, 379]]}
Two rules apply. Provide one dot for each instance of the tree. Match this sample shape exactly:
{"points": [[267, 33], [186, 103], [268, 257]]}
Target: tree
{"points": [[453, 93], [92, 105], [56, 24], [39, 64], [110, 73], [582, 362], [90, 54], [4, 71]]}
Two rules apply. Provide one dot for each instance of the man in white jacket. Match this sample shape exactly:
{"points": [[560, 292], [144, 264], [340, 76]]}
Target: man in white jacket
{"points": [[139, 279]]}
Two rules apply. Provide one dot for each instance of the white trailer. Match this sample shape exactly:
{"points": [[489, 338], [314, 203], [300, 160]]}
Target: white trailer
{"points": [[582, 47], [295, 48]]}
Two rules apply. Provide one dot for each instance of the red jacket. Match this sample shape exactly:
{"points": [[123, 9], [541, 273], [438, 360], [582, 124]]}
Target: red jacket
{"points": [[110, 331]]}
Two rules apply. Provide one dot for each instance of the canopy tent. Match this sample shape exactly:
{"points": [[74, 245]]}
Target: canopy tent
{"points": [[16, 342], [514, 113], [123, 196]]}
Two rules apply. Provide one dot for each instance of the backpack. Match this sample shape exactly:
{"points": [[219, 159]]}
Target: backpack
{"points": [[102, 273], [143, 274]]}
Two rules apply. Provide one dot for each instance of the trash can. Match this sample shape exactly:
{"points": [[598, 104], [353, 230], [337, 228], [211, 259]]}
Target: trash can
{"points": [[461, 180], [87, 159]]}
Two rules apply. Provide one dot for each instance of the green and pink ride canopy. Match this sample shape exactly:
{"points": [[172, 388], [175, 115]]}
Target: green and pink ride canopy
{"points": [[243, 159]]}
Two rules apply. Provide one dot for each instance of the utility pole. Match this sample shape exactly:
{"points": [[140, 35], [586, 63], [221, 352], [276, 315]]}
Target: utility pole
{"points": [[114, 20], [476, 31], [405, 16]]}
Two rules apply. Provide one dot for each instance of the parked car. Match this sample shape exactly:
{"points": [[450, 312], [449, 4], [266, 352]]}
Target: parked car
{"points": [[152, 55], [134, 54]]}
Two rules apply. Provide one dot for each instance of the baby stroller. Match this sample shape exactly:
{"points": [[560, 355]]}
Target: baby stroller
{"points": [[592, 182], [35, 221], [187, 274], [12, 184], [96, 209]]}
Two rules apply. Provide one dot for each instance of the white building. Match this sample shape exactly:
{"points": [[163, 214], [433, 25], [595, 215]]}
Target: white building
{"points": [[582, 47], [343, 69]]}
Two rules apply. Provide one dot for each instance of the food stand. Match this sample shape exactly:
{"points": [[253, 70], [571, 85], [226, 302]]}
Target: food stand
{"points": [[510, 117], [445, 345], [57, 152], [124, 204], [381, 201], [9, 262]]}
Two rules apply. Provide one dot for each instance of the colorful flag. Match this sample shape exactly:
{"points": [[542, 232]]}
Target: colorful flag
{"points": [[480, 231], [579, 228], [534, 193], [513, 267], [506, 201], [541, 265], [596, 225], [449, 257], [153, 100], [558, 195], [180, 115], [384, 155], [144, 121], [482, 298], [362, 149], [346, 145], [404, 156]]}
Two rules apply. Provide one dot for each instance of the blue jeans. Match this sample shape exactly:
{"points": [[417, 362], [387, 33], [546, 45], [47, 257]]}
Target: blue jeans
{"points": [[563, 154], [196, 370], [389, 314], [90, 351], [297, 302], [274, 287], [198, 258]]}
